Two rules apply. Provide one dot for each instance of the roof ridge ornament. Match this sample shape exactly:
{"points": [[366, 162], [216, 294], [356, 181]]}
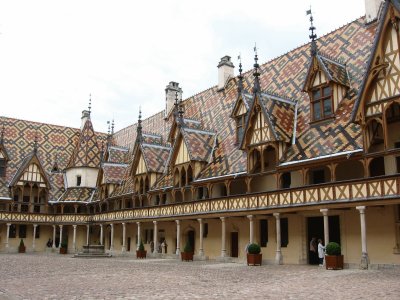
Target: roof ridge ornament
{"points": [[313, 35], [139, 136], [256, 87], [240, 83], [90, 104]]}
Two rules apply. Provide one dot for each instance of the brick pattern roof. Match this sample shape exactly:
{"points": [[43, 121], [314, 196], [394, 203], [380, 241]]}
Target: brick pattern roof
{"points": [[77, 194]]}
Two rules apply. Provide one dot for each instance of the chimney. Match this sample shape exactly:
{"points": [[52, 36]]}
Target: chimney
{"points": [[85, 117], [225, 71], [170, 94], [372, 9]]}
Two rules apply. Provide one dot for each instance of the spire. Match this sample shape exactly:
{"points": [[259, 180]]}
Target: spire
{"points": [[256, 87], [90, 104], [313, 35], [176, 104], [112, 127], [139, 136], [240, 83], [109, 128], [180, 111], [35, 143]]}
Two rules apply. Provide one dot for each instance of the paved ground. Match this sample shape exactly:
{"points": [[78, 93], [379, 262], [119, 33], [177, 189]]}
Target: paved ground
{"points": [[33, 276]]}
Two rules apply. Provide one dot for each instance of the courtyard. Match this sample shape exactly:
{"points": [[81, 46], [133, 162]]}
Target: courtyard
{"points": [[53, 276]]}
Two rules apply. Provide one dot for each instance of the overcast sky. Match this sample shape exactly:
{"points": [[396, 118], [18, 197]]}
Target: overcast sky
{"points": [[53, 54]]}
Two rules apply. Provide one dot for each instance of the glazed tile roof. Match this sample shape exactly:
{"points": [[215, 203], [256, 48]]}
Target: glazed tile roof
{"points": [[155, 156], [117, 155], [336, 71], [54, 144], [113, 173], [77, 194], [87, 151]]}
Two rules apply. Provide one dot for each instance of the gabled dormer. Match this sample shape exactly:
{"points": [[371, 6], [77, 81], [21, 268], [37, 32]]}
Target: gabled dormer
{"points": [[150, 157], [377, 108], [326, 83], [269, 127]]}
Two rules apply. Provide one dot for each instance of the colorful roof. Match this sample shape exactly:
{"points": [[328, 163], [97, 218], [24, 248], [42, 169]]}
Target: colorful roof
{"points": [[155, 156], [87, 151], [117, 155], [77, 194], [113, 173]]}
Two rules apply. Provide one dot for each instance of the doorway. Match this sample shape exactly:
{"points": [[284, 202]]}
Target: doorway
{"points": [[191, 239], [315, 228], [234, 244]]}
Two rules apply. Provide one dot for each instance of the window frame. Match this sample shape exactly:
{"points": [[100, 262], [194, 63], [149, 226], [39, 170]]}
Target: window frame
{"points": [[240, 123], [321, 101]]}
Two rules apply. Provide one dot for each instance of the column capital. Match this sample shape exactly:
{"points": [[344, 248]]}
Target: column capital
{"points": [[250, 217], [200, 220], [61, 226], [138, 223], [123, 224], [361, 209], [324, 211], [277, 215], [155, 222], [222, 219], [35, 225], [112, 225], [74, 226], [9, 224], [101, 225], [177, 222]]}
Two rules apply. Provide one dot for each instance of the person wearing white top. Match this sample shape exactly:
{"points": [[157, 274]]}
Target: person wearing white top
{"points": [[321, 252]]}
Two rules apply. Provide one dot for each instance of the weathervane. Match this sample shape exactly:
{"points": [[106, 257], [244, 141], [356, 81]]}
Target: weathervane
{"points": [[313, 35]]}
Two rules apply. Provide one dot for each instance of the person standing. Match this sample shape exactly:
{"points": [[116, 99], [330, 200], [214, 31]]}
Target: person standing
{"points": [[321, 252]]}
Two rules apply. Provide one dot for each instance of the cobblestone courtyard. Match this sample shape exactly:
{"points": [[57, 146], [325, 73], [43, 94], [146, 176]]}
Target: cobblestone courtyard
{"points": [[34, 276]]}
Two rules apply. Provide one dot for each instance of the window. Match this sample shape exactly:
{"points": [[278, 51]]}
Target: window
{"points": [[13, 231], [284, 232], [286, 180], [263, 233], [2, 167], [318, 176], [37, 234], [22, 231], [240, 127], [78, 180], [205, 230], [321, 103]]}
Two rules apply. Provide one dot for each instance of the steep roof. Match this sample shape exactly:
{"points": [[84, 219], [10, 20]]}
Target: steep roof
{"points": [[87, 151]]}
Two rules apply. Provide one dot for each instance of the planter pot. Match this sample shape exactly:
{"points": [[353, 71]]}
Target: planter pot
{"points": [[141, 253], [21, 249], [186, 256], [334, 262], [63, 250], [254, 259]]}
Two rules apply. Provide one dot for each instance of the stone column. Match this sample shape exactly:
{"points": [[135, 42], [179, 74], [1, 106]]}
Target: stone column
{"points": [[278, 256], [223, 237], [101, 235], [364, 253], [201, 251], [123, 237], [324, 212], [87, 234], [74, 238], [112, 238], [251, 238], [138, 235], [8, 235], [178, 236], [54, 236], [59, 244], [33, 238], [155, 240]]}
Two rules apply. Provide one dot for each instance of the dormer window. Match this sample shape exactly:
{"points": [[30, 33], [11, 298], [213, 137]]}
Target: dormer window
{"points": [[240, 122], [78, 180], [321, 103]]}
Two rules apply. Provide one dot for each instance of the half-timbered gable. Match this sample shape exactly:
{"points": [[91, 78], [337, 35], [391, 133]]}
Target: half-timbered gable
{"points": [[377, 108]]}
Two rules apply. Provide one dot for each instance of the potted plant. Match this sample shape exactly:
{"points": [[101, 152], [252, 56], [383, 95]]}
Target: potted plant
{"points": [[140, 252], [187, 253], [64, 248], [254, 257], [21, 248], [333, 257]]}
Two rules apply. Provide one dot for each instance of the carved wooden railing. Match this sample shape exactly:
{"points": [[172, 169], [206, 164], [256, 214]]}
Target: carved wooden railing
{"points": [[379, 188]]}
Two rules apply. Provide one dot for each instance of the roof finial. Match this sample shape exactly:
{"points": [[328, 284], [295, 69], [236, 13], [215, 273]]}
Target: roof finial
{"points": [[139, 126], [90, 103], [180, 111], [35, 143], [109, 129], [256, 73], [112, 127], [313, 35], [240, 83]]}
